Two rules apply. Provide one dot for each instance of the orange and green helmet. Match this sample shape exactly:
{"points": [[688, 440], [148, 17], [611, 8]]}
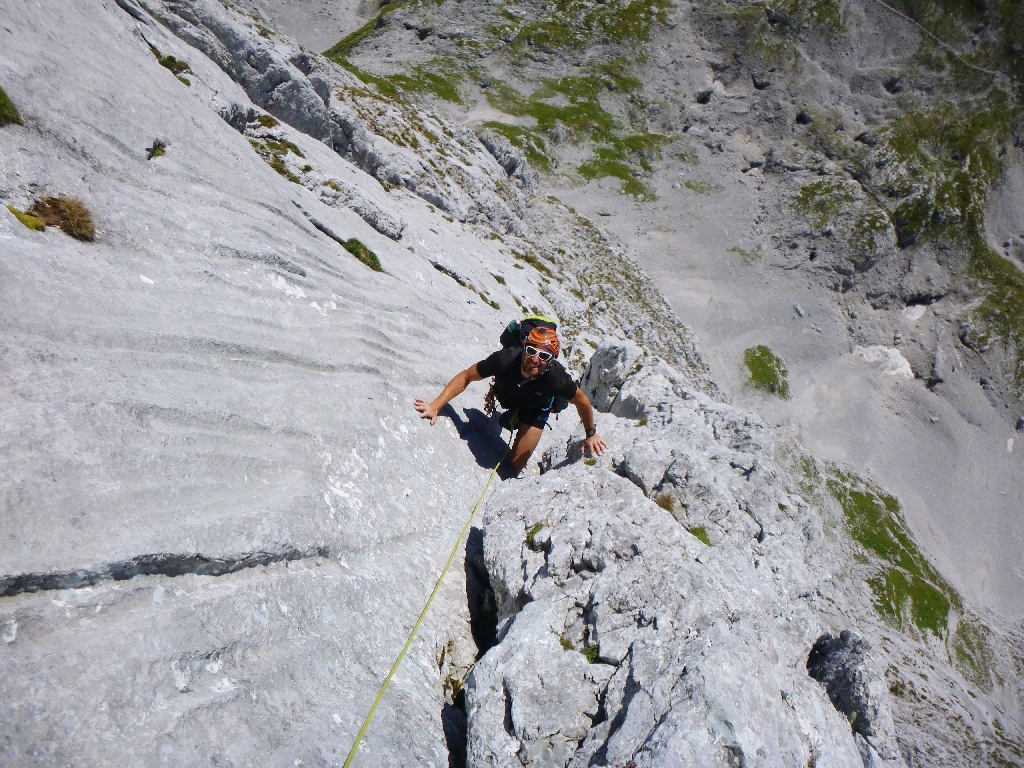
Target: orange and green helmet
{"points": [[544, 338]]}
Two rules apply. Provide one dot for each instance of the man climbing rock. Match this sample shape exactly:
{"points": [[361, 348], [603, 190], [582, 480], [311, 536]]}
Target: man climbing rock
{"points": [[528, 381]]}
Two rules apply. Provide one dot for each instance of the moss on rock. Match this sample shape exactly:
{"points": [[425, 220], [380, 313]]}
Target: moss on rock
{"points": [[364, 254], [767, 371], [8, 112]]}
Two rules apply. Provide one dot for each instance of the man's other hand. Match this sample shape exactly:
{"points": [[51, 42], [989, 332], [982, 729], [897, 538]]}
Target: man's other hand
{"points": [[426, 410], [595, 445]]}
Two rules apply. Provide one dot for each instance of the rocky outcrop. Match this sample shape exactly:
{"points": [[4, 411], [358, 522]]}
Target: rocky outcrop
{"points": [[295, 87], [857, 688], [511, 159], [668, 633]]}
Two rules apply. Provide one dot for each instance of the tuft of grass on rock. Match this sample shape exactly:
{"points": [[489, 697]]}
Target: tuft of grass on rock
{"points": [[767, 371], [701, 534], [532, 534], [30, 221], [274, 152], [590, 462], [8, 112], [69, 214], [566, 644], [590, 653], [364, 254], [268, 121], [702, 187], [665, 501], [33, 222], [175, 65]]}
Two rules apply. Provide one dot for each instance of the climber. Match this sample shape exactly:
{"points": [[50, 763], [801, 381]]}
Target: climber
{"points": [[527, 381]]}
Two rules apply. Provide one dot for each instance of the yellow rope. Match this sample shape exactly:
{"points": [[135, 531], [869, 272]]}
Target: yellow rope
{"points": [[423, 613]]}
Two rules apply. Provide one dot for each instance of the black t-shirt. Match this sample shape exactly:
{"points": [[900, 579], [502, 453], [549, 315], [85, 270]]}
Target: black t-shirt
{"points": [[514, 391]]}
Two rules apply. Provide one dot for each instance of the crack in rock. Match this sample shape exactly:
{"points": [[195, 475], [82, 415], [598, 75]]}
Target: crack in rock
{"points": [[159, 564]]}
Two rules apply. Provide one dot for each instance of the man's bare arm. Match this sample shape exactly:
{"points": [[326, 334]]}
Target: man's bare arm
{"points": [[593, 443], [453, 389]]}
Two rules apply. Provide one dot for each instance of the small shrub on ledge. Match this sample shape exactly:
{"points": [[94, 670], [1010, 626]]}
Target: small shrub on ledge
{"points": [[67, 213], [364, 254]]}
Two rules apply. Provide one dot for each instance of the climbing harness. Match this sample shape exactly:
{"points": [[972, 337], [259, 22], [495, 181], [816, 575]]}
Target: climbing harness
{"points": [[423, 613]]}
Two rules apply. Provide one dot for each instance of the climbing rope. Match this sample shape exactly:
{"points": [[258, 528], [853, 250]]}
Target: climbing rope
{"points": [[423, 613]]}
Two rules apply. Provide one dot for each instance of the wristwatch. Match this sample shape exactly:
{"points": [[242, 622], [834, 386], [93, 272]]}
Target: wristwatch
{"points": [[592, 431]]}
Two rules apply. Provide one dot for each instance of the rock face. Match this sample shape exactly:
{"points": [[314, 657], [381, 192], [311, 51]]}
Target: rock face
{"points": [[844, 666], [221, 514], [697, 656], [698, 653]]}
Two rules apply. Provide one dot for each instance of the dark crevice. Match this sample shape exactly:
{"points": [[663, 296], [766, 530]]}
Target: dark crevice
{"points": [[453, 720], [161, 564], [508, 723], [483, 608], [839, 664]]}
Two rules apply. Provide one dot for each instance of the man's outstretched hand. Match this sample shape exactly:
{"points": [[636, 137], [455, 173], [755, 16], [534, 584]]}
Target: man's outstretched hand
{"points": [[595, 445], [426, 410]]}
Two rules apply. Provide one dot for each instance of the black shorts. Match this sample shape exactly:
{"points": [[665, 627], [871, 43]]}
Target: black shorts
{"points": [[530, 417]]}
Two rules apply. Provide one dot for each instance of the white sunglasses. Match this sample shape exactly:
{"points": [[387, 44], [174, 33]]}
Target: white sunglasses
{"points": [[543, 354]]}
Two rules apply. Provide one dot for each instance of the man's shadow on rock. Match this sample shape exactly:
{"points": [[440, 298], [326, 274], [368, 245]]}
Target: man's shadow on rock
{"points": [[481, 434]]}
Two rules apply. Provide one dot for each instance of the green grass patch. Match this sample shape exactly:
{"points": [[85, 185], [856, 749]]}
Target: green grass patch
{"points": [[619, 158], [268, 121], [571, 104], [425, 80], [907, 591], [566, 644], [341, 50], [582, 114], [364, 254], [821, 201], [688, 155], [590, 462], [533, 261], [767, 371], [573, 25], [8, 112], [701, 534], [665, 501], [30, 221], [590, 653]]}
